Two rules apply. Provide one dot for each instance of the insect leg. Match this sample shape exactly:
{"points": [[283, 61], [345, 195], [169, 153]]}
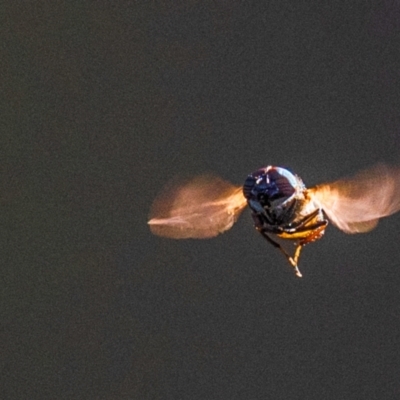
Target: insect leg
{"points": [[298, 225], [297, 253], [293, 262]]}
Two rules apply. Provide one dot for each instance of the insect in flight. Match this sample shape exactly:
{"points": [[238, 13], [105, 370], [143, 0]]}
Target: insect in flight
{"points": [[283, 209]]}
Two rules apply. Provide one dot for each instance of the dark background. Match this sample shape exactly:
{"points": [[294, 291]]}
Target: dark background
{"points": [[104, 102]]}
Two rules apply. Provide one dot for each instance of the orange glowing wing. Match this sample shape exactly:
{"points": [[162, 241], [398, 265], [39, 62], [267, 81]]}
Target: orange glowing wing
{"points": [[200, 208], [355, 204]]}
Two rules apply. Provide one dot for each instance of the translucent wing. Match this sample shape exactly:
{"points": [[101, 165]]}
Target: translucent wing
{"points": [[355, 204], [200, 208]]}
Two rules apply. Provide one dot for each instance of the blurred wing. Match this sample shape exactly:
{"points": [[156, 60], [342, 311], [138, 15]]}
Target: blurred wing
{"points": [[355, 204], [200, 208]]}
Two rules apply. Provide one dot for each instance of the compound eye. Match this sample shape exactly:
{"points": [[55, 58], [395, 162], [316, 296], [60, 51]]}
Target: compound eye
{"points": [[281, 182], [248, 186]]}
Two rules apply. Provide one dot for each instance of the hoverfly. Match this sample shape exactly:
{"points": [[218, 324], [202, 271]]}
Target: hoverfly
{"points": [[281, 206]]}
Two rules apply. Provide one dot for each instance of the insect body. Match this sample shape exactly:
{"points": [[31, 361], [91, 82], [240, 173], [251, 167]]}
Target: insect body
{"points": [[281, 206]]}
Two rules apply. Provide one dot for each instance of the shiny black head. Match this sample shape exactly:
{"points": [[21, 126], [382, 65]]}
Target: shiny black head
{"points": [[272, 191]]}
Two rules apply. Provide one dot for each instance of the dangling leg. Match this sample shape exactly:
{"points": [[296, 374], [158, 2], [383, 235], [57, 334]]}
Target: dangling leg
{"points": [[292, 261], [296, 258]]}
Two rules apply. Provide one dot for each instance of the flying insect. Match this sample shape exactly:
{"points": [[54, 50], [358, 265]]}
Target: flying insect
{"points": [[282, 208]]}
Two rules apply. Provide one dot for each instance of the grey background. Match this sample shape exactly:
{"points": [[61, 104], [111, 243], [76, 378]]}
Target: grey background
{"points": [[104, 102]]}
